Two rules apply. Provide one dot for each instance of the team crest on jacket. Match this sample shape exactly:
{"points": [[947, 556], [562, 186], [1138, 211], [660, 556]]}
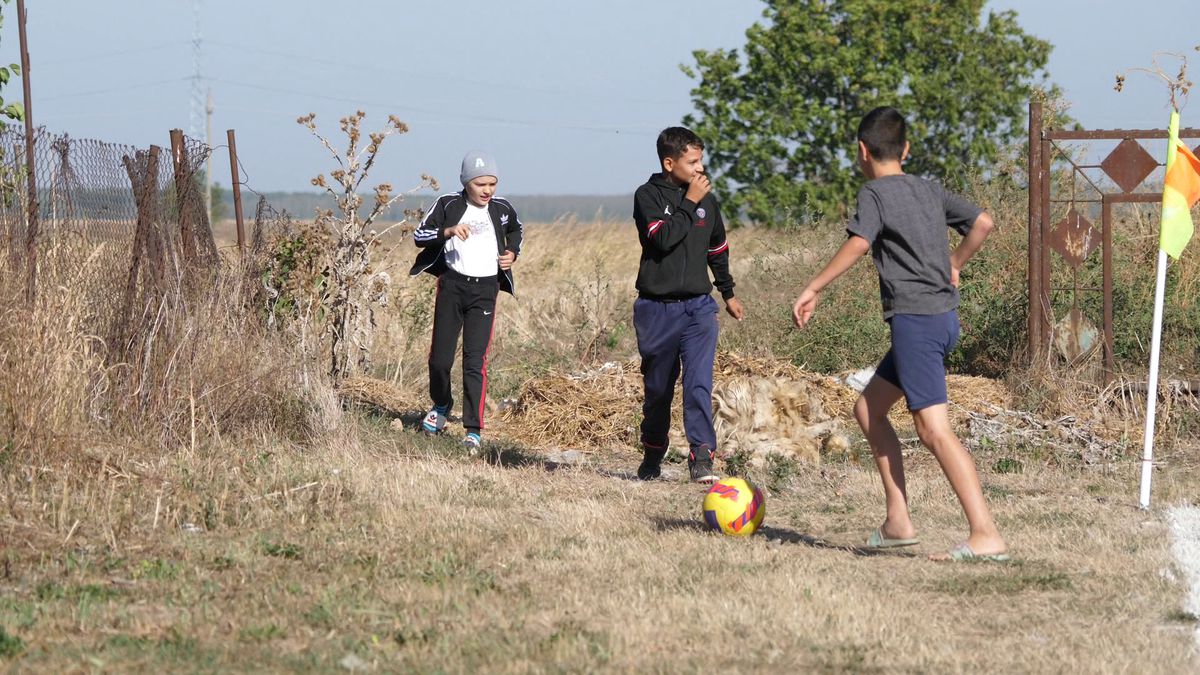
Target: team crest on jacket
{"points": [[700, 213]]}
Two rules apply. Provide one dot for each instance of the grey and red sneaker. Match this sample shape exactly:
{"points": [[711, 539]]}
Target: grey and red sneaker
{"points": [[700, 465]]}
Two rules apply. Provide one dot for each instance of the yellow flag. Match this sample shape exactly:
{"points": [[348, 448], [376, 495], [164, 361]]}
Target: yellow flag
{"points": [[1181, 191]]}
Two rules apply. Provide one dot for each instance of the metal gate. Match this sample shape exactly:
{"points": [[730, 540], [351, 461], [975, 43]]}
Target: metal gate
{"points": [[1073, 237]]}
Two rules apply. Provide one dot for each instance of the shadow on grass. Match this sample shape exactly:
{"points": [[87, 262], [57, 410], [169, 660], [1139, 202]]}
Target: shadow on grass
{"points": [[783, 536], [787, 536], [617, 473], [670, 473], [411, 419], [511, 455]]}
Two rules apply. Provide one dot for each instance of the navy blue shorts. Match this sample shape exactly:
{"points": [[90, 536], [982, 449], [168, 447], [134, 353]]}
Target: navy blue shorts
{"points": [[916, 363]]}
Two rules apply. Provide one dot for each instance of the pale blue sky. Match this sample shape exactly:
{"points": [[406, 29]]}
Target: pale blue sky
{"points": [[568, 95]]}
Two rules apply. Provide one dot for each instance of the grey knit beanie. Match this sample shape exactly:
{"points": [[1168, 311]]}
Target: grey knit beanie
{"points": [[477, 164]]}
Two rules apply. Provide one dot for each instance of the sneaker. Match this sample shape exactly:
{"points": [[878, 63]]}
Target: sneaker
{"points": [[652, 457], [700, 465], [472, 442], [435, 421]]}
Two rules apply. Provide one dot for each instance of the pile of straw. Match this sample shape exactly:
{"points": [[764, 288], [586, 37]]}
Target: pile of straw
{"points": [[755, 401], [379, 394], [586, 411]]}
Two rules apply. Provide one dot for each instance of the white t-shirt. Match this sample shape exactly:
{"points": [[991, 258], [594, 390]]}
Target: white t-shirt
{"points": [[476, 255]]}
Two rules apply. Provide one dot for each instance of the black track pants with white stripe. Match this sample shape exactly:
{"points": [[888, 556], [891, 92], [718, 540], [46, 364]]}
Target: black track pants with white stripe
{"points": [[464, 305]]}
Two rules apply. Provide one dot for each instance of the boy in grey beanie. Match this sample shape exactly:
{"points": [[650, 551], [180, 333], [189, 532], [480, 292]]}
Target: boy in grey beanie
{"points": [[477, 164], [469, 240]]}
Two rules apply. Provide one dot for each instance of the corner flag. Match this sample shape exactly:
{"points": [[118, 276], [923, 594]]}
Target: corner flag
{"points": [[1181, 191]]}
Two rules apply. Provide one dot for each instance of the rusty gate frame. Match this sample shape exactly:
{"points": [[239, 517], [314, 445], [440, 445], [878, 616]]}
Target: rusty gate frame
{"points": [[1041, 150]]}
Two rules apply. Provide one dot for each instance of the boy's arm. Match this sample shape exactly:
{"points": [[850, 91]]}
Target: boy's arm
{"points": [[431, 230], [718, 262], [514, 235], [970, 244], [854, 248], [660, 225]]}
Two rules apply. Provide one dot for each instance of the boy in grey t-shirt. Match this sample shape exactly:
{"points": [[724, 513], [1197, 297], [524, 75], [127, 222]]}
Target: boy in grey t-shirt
{"points": [[902, 221]]}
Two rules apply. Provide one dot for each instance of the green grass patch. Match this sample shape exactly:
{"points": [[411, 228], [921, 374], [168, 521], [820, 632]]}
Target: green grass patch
{"points": [[281, 550], [1008, 579], [1008, 465], [156, 568], [10, 645], [51, 591], [1180, 616], [256, 634]]}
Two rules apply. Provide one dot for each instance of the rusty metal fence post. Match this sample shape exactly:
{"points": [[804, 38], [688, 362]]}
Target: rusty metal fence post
{"points": [[237, 192], [183, 188], [143, 177], [1035, 230], [31, 232], [1073, 237]]}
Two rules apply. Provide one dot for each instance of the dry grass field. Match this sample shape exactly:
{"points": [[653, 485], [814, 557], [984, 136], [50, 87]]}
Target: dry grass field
{"points": [[248, 522]]}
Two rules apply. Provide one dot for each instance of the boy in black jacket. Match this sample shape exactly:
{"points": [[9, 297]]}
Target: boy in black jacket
{"points": [[469, 240], [683, 237]]}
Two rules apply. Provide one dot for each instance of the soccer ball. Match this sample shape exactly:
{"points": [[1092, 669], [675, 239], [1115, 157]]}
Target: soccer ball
{"points": [[734, 506]]}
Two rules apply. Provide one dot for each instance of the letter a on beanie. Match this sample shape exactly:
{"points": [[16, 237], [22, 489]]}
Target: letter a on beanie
{"points": [[477, 164]]}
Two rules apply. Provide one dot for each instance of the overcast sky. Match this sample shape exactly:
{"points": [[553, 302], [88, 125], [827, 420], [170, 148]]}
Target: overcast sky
{"points": [[567, 95]]}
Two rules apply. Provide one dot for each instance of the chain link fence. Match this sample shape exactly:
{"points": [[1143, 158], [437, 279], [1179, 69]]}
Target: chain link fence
{"points": [[122, 226]]}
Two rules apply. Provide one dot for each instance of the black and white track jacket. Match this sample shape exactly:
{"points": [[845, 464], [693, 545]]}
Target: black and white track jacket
{"points": [[446, 212], [681, 242]]}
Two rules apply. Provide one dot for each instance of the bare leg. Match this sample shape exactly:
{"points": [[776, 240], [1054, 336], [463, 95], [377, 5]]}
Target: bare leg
{"points": [[871, 410], [933, 427]]}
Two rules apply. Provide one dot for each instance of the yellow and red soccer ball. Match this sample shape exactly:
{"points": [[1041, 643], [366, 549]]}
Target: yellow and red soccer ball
{"points": [[734, 506]]}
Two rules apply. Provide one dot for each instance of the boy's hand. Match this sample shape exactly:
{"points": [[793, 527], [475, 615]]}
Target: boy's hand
{"points": [[461, 230], [735, 308], [507, 259], [955, 270], [805, 305], [699, 188]]}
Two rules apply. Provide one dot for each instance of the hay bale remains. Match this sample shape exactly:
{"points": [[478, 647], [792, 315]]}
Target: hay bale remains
{"points": [[760, 416], [763, 406], [379, 394], [588, 411]]}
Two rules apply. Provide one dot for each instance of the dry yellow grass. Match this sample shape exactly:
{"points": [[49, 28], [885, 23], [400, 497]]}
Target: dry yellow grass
{"points": [[411, 557], [336, 541]]}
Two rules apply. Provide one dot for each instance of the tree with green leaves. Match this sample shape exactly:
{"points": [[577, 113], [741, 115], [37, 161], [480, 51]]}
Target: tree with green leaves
{"points": [[14, 110], [220, 210], [779, 117]]}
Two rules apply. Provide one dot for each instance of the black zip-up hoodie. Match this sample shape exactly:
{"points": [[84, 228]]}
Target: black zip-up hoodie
{"points": [[681, 241], [446, 212]]}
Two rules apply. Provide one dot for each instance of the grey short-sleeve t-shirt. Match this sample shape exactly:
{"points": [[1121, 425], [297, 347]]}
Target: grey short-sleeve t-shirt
{"points": [[904, 218]]}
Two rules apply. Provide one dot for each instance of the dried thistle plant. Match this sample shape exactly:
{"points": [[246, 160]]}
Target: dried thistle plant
{"points": [[1178, 85], [356, 285]]}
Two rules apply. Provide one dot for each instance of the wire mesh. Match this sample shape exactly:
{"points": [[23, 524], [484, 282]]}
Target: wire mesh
{"points": [[116, 224]]}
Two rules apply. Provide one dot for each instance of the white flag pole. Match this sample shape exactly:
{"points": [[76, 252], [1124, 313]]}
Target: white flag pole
{"points": [[1160, 286], [1152, 380]]}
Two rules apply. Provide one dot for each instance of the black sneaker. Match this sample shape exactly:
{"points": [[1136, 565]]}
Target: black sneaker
{"points": [[651, 467], [700, 465]]}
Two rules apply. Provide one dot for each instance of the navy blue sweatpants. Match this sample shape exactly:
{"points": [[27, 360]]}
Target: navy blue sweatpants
{"points": [[671, 335]]}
